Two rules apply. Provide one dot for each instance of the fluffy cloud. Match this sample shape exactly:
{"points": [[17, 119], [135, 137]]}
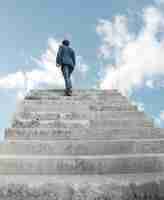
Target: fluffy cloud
{"points": [[159, 120], [159, 2], [140, 105], [155, 83], [162, 115], [132, 57], [10, 81], [150, 84], [114, 36], [46, 74]]}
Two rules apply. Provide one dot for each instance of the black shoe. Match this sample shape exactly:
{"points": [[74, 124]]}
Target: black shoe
{"points": [[68, 92]]}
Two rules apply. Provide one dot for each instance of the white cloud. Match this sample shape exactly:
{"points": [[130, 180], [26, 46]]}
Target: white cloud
{"points": [[159, 120], [2, 135], [150, 84], [140, 105], [15, 80], [114, 35], [136, 56], [46, 74], [155, 83], [161, 115], [159, 2]]}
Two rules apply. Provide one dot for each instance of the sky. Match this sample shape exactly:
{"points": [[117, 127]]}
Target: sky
{"points": [[118, 44]]}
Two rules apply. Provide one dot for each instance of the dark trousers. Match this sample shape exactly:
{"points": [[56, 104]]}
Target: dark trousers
{"points": [[67, 71]]}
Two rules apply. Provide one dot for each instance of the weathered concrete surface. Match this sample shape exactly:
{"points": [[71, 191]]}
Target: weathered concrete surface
{"points": [[77, 108], [93, 97], [76, 92], [97, 124], [93, 139], [106, 164], [78, 134], [73, 100], [77, 180], [81, 187], [82, 147], [81, 95], [51, 124], [87, 115]]}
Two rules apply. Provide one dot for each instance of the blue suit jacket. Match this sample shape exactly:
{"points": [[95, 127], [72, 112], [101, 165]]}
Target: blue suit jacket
{"points": [[66, 56]]}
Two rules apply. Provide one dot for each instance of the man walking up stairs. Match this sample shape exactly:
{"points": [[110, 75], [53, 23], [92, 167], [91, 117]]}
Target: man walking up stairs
{"points": [[66, 59]]}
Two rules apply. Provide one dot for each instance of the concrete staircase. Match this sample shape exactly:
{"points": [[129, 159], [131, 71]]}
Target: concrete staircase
{"points": [[92, 136]]}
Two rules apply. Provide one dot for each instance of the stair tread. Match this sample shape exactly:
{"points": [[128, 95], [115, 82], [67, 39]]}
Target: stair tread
{"points": [[79, 120], [81, 179], [88, 129], [86, 140], [91, 157]]}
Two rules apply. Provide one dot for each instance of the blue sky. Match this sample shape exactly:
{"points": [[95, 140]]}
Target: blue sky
{"points": [[31, 29]]}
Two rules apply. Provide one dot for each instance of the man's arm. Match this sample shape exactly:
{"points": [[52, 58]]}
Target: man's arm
{"points": [[73, 57], [59, 56]]}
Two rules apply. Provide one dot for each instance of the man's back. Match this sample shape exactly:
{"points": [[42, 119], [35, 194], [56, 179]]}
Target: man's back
{"points": [[65, 56]]}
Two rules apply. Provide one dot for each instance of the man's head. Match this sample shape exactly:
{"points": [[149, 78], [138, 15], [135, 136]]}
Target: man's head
{"points": [[66, 42]]}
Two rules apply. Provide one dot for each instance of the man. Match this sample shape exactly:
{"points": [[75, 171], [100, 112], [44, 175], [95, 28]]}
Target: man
{"points": [[66, 59]]}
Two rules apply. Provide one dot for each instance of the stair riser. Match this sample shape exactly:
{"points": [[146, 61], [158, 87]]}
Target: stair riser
{"points": [[81, 147], [51, 124], [120, 123], [71, 101], [88, 115], [82, 124], [74, 96], [82, 165], [68, 134], [90, 105], [107, 98], [75, 108], [75, 93], [81, 98]]}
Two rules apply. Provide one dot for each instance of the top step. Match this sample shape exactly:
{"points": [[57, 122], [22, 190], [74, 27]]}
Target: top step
{"points": [[75, 92]]}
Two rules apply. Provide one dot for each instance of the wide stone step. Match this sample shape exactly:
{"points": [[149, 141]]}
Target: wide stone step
{"points": [[113, 107], [91, 105], [123, 123], [72, 101], [84, 133], [78, 108], [87, 115], [82, 147], [75, 92], [95, 124], [82, 97], [64, 187], [52, 116], [79, 181], [51, 123], [106, 164]]}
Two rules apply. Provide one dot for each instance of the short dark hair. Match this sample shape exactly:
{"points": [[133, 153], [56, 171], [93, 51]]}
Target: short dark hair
{"points": [[66, 42]]}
